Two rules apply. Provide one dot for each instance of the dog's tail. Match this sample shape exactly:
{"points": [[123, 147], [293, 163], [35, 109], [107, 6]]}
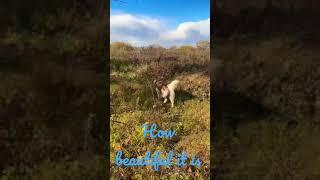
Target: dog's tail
{"points": [[173, 85]]}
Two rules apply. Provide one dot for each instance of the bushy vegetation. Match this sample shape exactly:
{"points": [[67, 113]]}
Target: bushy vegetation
{"points": [[133, 96]]}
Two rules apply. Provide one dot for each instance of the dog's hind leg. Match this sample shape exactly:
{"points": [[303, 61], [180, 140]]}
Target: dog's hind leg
{"points": [[172, 95]]}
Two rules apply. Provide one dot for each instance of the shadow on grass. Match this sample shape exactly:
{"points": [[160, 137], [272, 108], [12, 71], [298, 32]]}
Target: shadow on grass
{"points": [[182, 96]]}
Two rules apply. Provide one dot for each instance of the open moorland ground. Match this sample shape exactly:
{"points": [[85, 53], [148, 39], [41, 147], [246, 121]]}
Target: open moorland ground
{"points": [[133, 97]]}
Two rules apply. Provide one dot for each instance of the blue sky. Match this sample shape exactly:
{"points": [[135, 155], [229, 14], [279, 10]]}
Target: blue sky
{"points": [[164, 22]]}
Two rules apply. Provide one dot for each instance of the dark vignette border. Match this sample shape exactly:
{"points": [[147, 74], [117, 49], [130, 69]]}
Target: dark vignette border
{"points": [[215, 113], [107, 67]]}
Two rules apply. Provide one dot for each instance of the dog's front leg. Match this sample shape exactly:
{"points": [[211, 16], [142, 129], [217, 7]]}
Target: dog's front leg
{"points": [[158, 93], [165, 100]]}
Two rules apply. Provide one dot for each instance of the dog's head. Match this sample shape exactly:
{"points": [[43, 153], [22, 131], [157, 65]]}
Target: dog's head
{"points": [[159, 84]]}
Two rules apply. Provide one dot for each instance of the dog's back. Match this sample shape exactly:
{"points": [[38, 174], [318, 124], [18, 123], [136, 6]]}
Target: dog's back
{"points": [[173, 85]]}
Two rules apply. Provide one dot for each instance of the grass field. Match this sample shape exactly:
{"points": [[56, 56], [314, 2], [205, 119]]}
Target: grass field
{"points": [[132, 104]]}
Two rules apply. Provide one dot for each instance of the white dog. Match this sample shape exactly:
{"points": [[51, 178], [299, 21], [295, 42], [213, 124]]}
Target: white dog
{"points": [[167, 91]]}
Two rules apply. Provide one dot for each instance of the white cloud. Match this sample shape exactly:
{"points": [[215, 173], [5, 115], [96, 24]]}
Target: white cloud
{"points": [[142, 30], [184, 29]]}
